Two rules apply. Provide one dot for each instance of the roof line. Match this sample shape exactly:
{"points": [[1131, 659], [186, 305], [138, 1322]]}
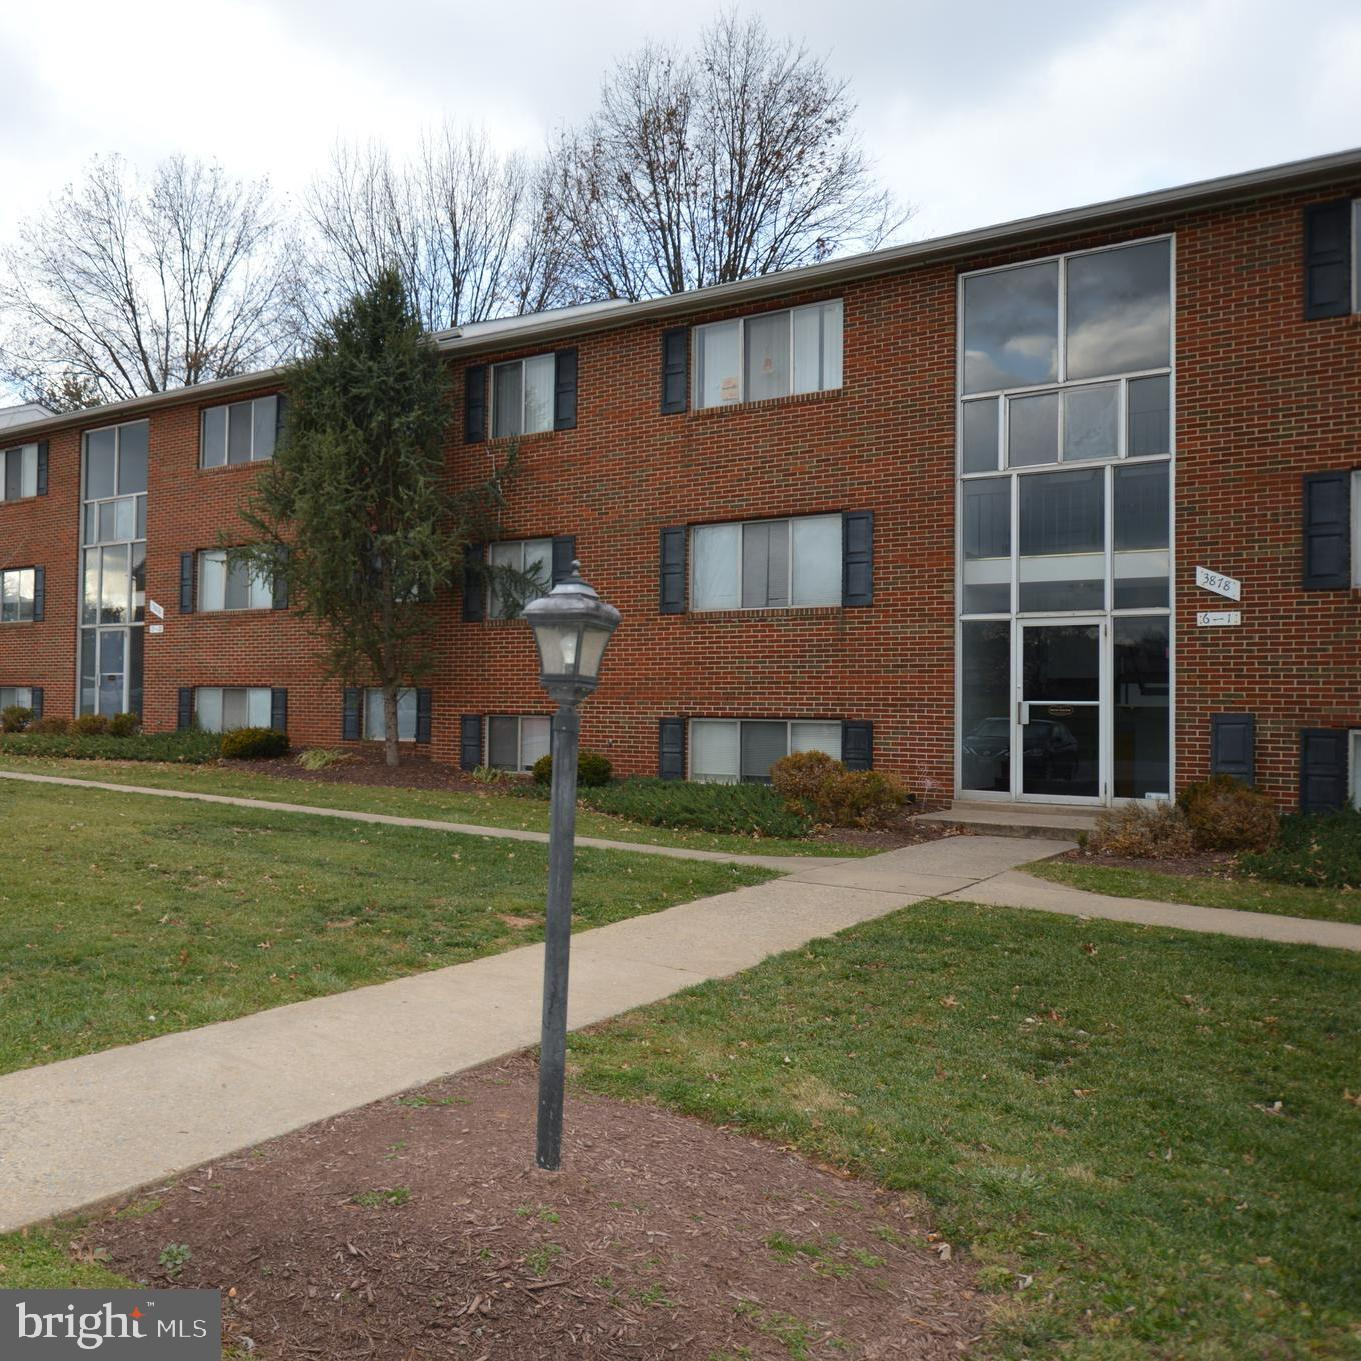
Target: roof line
{"points": [[1132, 209]]}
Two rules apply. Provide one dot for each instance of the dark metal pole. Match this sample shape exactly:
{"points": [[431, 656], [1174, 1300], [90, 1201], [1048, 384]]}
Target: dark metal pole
{"points": [[558, 934]]}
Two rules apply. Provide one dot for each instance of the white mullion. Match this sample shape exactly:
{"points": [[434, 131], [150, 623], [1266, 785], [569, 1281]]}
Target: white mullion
{"points": [[1108, 532], [1015, 511], [741, 397], [1061, 364], [789, 541]]}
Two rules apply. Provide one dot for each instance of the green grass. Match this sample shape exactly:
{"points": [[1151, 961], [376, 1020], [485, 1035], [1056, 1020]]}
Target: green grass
{"points": [[489, 809], [1090, 1108], [126, 916], [1245, 895], [41, 1259]]}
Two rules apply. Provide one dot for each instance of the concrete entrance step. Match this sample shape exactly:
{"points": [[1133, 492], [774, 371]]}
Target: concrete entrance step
{"points": [[1017, 819]]}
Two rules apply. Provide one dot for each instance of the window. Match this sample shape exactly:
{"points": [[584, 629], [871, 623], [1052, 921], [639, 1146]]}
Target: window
{"points": [[772, 354], [729, 751], [766, 564], [375, 726], [242, 432], [21, 695], [1095, 330], [531, 560], [19, 473], [230, 587], [220, 709], [515, 742], [16, 596], [522, 396]]}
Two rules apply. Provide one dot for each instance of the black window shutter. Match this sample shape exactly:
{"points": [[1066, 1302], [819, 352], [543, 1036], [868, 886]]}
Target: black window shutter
{"points": [[857, 558], [474, 404], [280, 408], [42, 467], [1323, 769], [35, 700], [470, 741], [423, 714], [857, 745], [39, 593], [672, 560], [565, 390], [1328, 259], [186, 583], [279, 601], [474, 587], [675, 370], [278, 709], [671, 748], [1233, 743], [564, 555], [351, 714], [1327, 531], [184, 718]]}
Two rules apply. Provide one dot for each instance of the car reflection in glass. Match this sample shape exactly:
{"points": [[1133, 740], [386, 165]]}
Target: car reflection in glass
{"points": [[1050, 752]]}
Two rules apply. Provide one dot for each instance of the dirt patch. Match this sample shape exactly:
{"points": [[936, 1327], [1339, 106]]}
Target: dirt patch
{"points": [[420, 1227], [369, 768], [908, 830], [1205, 864]]}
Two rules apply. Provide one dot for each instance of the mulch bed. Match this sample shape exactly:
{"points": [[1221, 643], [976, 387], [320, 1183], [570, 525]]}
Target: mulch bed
{"points": [[419, 1227]]}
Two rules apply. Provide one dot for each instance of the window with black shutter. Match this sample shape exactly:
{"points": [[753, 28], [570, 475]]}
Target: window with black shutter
{"points": [[857, 745], [474, 403], [675, 370], [187, 583], [278, 709], [1323, 769], [352, 714], [1328, 263], [857, 558], [1233, 741], [671, 748], [1327, 531], [423, 708], [474, 584], [672, 560], [184, 717], [565, 390], [564, 555], [470, 741]]}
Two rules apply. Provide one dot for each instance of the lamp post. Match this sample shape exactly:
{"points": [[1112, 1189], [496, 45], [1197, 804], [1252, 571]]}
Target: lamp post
{"points": [[571, 627]]}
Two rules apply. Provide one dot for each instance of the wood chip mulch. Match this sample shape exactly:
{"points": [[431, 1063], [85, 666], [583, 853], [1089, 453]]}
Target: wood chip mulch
{"points": [[419, 1227]]}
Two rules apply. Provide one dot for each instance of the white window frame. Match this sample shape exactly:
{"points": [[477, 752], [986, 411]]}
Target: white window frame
{"points": [[15, 691], [367, 713], [837, 595], [788, 742], [522, 766], [12, 589], [28, 474], [504, 367], [257, 583], [226, 407], [697, 354], [493, 607], [263, 707]]}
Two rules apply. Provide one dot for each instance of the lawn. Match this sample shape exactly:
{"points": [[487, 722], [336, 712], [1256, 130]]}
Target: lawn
{"points": [[489, 809], [1245, 895], [126, 916], [1149, 1140]]}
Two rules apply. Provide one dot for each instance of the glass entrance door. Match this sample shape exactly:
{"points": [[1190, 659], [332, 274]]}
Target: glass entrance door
{"points": [[1058, 732]]}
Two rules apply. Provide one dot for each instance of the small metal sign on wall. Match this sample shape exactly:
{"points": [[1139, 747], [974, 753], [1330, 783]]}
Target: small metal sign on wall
{"points": [[1218, 619], [1229, 587]]}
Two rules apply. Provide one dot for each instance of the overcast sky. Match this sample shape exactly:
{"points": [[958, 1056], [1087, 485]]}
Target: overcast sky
{"points": [[976, 111]]}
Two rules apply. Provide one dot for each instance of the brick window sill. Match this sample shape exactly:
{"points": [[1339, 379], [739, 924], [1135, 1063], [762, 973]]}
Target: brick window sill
{"points": [[766, 403], [738, 617]]}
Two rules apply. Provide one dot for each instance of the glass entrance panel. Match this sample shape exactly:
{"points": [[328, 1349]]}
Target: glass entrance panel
{"points": [[112, 661], [985, 705], [1060, 710], [1142, 684]]}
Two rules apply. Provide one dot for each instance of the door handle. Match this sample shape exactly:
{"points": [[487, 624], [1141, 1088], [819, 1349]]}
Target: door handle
{"points": [[1022, 712]]}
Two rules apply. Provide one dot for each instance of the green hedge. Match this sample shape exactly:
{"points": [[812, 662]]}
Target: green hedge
{"points": [[1317, 850], [190, 748], [746, 809]]}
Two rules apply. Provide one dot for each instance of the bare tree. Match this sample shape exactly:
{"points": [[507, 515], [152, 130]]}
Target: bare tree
{"points": [[121, 289], [464, 227], [737, 159]]}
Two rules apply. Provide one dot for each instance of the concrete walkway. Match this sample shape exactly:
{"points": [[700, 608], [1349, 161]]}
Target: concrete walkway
{"points": [[84, 1130]]}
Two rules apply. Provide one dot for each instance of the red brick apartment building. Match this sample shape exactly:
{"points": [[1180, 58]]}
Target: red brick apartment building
{"points": [[1062, 510]]}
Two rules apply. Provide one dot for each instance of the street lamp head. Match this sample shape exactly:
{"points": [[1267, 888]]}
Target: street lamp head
{"points": [[571, 627]]}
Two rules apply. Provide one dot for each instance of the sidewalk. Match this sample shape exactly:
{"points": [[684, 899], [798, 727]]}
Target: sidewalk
{"points": [[87, 1129]]}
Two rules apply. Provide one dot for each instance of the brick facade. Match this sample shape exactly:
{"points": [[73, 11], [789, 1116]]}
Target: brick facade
{"points": [[1262, 397]]}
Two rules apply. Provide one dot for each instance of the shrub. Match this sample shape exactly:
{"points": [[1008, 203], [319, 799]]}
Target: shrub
{"points": [[184, 747], [1317, 850], [489, 775], [15, 717], [593, 770], [745, 809], [254, 744], [861, 798], [1224, 814], [49, 725], [124, 725], [319, 758], [90, 725], [1142, 831], [801, 779]]}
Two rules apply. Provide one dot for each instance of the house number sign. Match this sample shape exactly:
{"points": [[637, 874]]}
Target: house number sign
{"points": [[1219, 619], [1229, 587]]}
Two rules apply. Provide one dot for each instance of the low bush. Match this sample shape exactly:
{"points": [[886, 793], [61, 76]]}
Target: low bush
{"points": [[745, 809], [489, 775], [49, 724], [254, 744], [319, 758], [593, 770], [1142, 831], [15, 717], [1224, 814], [821, 788], [801, 778], [191, 748], [90, 725], [124, 725], [1317, 850]]}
